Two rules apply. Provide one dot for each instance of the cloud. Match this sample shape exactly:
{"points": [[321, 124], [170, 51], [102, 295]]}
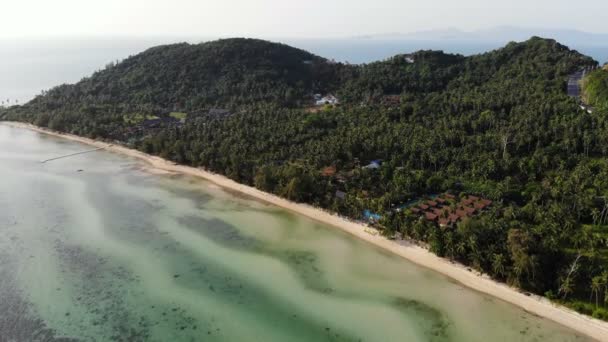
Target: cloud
{"points": [[286, 18]]}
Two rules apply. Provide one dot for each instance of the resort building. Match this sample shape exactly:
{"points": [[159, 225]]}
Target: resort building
{"points": [[446, 210]]}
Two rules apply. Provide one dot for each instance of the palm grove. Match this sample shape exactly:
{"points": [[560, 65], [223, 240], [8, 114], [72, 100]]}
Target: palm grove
{"points": [[499, 125]]}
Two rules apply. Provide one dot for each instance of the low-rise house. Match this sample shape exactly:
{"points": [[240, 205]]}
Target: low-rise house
{"points": [[430, 216], [329, 171], [479, 206], [326, 100], [466, 202], [340, 195], [219, 112], [375, 164], [487, 202], [470, 211], [391, 100], [461, 213], [159, 122]]}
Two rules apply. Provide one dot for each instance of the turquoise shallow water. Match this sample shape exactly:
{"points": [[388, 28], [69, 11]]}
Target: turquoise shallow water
{"points": [[116, 253]]}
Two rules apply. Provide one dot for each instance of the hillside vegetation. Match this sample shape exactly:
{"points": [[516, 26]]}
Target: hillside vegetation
{"points": [[498, 125], [595, 88], [184, 76]]}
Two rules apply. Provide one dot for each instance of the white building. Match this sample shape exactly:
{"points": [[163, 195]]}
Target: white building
{"points": [[327, 100]]}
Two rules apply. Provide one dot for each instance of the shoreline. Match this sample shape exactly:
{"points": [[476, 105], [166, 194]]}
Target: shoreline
{"points": [[534, 304]]}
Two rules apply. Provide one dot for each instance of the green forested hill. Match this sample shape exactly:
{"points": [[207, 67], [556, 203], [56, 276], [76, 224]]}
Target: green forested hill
{"points": [[595, 88], [185, 76], [498, 125]]}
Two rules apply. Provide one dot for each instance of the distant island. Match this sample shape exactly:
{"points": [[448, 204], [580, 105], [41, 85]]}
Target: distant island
{"points": [[484, 159]]}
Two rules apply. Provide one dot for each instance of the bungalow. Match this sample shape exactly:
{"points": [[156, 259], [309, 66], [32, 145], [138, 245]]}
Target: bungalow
{"points": [[219, 112], [391, 100], [469, 210], [487, 202], [461, 213], [375, 164], [340, 195], [329, 171], [415, 210], [326, 100], [480, 206], [430, 216], [159, 122], [467, 201], [423, 207], [432, 204]]}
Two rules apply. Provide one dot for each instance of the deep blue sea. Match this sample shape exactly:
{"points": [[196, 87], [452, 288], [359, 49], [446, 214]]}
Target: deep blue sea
{"points": [[29, 66]]}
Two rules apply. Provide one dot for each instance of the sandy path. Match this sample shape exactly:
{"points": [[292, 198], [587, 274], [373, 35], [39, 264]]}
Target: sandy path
{"points": [[534, 304]]}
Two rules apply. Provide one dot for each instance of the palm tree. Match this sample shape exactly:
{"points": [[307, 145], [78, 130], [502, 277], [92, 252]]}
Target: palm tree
{"points": [[461, 248], [596, 286], [498, 264], [449, 245], [595, 214], [604, 282], [567, 285]]}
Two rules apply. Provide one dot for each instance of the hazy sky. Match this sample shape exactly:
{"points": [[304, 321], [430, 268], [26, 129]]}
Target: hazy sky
{"points": [[287, 18]]}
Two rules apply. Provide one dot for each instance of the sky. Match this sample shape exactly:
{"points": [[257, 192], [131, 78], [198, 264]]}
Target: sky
{"points": [[288, 18]]}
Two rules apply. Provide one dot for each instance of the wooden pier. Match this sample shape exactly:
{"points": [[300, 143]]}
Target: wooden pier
{"points": [[74, 154]]}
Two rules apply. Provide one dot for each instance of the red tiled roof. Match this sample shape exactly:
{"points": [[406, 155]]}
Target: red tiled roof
{"points": [[328, 171], [474, 198], [415, 210], [432, 203], [480, 205], [454, 218], [487, 202], [461, 213], [466, 201], [469, 210], [423, 206], [449, 196], [443, 222], [430, 216], [440, 200]]}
